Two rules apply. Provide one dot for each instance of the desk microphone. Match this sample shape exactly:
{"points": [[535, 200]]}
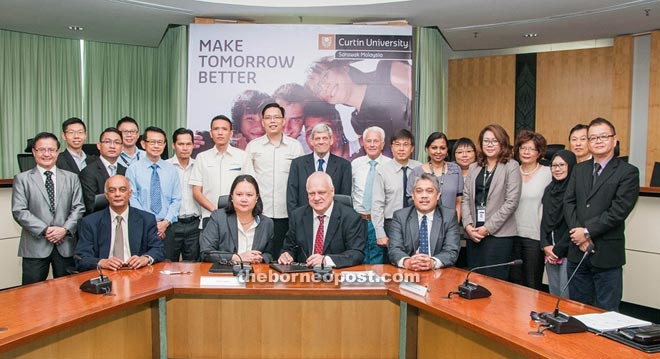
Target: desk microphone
{"points": [[561, 323], [238, 269], [469, 290], [322, 273], [98, 285]]}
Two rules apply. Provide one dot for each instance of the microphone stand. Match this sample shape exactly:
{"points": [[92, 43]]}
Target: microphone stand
{"points": [[469, 290]]}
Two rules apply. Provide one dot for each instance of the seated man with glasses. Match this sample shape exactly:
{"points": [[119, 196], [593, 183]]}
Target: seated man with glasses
{"points": [[93, 177], [119, 236], [155, 182], [73, 158], [46, 202]]}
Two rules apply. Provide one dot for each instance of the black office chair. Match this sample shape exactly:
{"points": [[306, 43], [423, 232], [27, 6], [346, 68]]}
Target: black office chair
{"points": [[550, 151], [100, 202], [344, 199], [26, 161], [90, 149], [223, 201], [655, 176]]}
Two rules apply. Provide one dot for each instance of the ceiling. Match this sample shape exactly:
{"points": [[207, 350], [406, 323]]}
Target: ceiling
{"points": [[465, 24]]}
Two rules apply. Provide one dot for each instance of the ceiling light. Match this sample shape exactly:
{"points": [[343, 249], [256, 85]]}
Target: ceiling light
{"points": [[75, 28], [531, 34]]}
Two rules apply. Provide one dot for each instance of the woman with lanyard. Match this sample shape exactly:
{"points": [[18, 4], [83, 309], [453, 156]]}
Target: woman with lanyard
{"points": [[554, 230], [450, 179], [490, 198]]}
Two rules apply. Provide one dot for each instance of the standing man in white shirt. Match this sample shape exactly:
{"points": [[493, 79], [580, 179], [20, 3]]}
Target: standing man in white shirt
{"points": [[182, 238], [216, 168], [364, 172], [390, 183], [130, 133], [269, 160]]}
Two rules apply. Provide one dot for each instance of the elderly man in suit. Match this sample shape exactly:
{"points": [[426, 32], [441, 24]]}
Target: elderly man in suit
{"points": [[93, 177], [600, 195], [322, 160], [325, 230], [424, 236], [47, 203], [73, 158], [118, 236]]}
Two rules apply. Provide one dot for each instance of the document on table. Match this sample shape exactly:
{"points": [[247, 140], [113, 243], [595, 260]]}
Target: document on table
{"points": [[221, 281], [610, 321]]}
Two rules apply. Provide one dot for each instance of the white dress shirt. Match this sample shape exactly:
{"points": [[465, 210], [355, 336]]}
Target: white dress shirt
{"points": [[246, 237], [43, 177], [388, 193], [325, 161], [79, 159], [360, 168], [189, 207], [106, 165], [270, 164], [215, 171]]}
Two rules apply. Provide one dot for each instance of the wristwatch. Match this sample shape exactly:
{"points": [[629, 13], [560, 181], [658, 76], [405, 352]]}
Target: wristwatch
{"points": [[586, 233]]}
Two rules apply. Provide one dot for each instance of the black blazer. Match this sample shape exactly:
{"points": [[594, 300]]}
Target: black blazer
{"points": [[302, 167], [66, 162], [221, 234], [602, 209], [92, 180], [95, 231], [345, 236]]}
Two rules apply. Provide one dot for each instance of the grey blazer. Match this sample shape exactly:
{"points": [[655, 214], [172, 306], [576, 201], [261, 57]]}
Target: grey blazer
{"points": [[29, 206], [501, 202], [221, 234], [444, 241]]}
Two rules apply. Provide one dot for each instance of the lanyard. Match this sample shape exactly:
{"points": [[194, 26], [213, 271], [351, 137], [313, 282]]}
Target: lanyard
{"points": [[487, 177]]}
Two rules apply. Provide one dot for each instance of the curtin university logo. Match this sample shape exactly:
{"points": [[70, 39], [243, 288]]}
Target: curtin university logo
{"points": [[326, 42]]}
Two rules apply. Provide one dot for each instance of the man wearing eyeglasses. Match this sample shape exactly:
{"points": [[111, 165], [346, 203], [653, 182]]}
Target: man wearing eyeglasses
{"points": [[93, 177], [268, 160], [155, 182], [47, 203], [120, 236], [73, 158], [601, 193], [130, 135]]}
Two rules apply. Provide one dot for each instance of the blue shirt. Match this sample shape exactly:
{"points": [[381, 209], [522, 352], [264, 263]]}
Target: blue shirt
{"points": [[139, 175]]}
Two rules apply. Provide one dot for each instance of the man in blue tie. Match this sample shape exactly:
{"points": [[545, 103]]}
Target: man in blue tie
{"points": [[424, 236], [155, 182]]}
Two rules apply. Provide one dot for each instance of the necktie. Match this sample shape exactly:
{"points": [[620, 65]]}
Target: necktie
{"points": [[113, 169], [321, 162], [318, 241], [369, 185], [424, 237], [50, 189], [595, 174], [156, 202], [118, 251], [404, 170]]}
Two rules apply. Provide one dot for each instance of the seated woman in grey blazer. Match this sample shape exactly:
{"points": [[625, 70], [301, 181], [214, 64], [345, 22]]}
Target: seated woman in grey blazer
{"points": [[490, 198], [238, 232]]}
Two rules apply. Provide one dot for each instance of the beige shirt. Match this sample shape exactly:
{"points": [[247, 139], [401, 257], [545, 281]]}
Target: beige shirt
{"points": [[246, 237], [360, 167], [215, 171], [270, 165]]}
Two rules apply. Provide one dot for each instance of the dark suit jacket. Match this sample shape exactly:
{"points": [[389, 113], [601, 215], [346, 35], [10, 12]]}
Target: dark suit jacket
{"points": [[66, 162], [221, 234], [302, 167], [602, 209], [92, 180], [94, 237], [444, 240], [345, 236]]}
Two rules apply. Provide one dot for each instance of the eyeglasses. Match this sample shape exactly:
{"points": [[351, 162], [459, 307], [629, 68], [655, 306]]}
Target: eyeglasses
{"points": [[528, 149], [277, 118], [401, 144], [558, 166], [155, 142], [111, 142], [73, 133], [601, 138], [42, 151], [130, 132], [489, 142]]}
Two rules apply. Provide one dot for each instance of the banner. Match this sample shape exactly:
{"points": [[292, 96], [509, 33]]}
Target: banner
{"points": [[349, 77]]}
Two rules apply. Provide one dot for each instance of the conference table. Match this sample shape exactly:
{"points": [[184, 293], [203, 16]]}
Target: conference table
{"points": [[152, 314]]}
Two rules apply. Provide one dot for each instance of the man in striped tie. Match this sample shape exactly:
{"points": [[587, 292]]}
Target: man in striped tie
{"points": [[424, 236]]}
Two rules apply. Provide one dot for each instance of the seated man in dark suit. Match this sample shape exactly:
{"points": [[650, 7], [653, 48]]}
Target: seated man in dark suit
{"points": [[119, 235], [324, 230], [93, 177], [424, 236], [322, 160]]}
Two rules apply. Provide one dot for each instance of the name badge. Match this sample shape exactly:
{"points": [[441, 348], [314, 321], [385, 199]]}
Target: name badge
{"points": [[481, 214]]}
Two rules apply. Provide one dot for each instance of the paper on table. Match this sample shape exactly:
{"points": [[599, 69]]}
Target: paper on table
{"points": [[221, 281], [610, 321]]}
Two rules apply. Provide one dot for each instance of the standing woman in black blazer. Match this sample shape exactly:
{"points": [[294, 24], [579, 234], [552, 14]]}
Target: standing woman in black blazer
{"points": [[490, 198], [554, 230], [240, 228]]}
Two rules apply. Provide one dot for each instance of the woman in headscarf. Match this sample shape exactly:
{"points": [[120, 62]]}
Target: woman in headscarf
{"points": [[554, 230]]}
